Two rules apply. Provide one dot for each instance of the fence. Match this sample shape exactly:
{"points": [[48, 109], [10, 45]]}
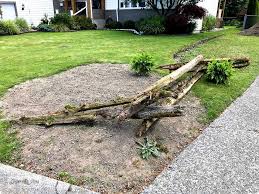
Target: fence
{"points": [[250, 20]]}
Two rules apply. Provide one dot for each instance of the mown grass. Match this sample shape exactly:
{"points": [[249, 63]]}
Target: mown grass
{"points": [[33, 55], [217, 97]]}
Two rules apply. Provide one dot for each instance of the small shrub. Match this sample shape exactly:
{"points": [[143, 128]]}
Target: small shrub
{"points": [[22, 25], [209, 23], [110, 24], [233, 22], [60, 28], [62, 18], [45, 19], [129, 24], [153, 25], [219, 72], [83, 23], [142, 64], [45, 28], [148, 148], [9, 27], [181, 21]]}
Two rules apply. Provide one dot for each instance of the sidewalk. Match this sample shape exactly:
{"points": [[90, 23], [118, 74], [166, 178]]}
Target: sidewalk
{"points": [[224, 159], [16, 181]]}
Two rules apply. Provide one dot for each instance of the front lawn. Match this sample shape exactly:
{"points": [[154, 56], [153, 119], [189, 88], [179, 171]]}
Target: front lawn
{"points": [[40, 54]]}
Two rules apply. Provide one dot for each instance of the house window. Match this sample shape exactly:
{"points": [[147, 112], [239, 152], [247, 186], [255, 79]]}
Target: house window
{"points": [[129, 4]]}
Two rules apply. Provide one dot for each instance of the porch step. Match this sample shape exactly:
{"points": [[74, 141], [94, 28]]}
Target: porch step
{"points": [[100, 23]]}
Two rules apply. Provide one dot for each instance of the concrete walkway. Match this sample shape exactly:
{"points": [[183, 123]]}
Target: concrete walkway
{"points": [[224, 159], [16, 181]]}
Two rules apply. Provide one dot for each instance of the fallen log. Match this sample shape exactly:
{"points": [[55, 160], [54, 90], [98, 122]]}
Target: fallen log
{"points": [[89, 117], [237, 63], [159, 112], [185, 88], [153, 92]]}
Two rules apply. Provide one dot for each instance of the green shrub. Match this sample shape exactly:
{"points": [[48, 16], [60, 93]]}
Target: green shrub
{"points": [[60, 28], [45, 28], [83, 23], [209, 23], [22, 25], [233, 22], [113, 25], [142, 64], [9, 27], [219, 72], [129, 24], [148, 148], [45, 19], [62, 18], [152, 25]]}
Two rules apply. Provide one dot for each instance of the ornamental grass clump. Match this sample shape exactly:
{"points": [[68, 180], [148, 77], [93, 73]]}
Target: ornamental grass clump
{"points": [[142, 64], [219, 72]]}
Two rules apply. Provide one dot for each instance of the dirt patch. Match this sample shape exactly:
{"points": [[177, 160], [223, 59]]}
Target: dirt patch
{"points": [[102, 157], [253, 31]]}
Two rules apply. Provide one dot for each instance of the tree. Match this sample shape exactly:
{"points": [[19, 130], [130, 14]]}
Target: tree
{"points": [[252, 8], [166, 7], [235, 7]]}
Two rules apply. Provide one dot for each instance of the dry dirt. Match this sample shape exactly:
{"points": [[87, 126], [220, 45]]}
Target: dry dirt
{"points": [[103, 157]]}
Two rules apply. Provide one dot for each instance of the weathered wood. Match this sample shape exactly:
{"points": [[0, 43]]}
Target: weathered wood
{"points": [[184, 89], [152, 93], [159, 112], [237, 63], [89, 117]]}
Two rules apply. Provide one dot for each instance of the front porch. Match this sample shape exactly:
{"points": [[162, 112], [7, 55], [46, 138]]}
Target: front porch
{"points": [[93, 9]]}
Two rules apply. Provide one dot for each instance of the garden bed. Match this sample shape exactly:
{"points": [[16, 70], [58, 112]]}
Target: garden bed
{"points": [[103, 157]]}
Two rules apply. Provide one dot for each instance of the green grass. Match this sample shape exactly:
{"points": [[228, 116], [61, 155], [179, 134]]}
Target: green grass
{"points": [[8, 143], [217, 97], [33, 55]]}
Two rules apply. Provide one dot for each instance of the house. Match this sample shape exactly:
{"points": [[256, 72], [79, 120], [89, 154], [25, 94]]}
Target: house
{"points": [[98, 10], [31, 10]]}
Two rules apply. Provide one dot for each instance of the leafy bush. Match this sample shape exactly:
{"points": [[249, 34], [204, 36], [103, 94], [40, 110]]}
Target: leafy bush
{"points": [[233, 22], [129, 24], [60, 28], [62, 18], [142, 64], [9, 27], [181, 20], [113, 25], [83, 23], [209, 23], [152, 25], [45, 19], [219, 72], [148, 148], [22, 25], [45, 28]]}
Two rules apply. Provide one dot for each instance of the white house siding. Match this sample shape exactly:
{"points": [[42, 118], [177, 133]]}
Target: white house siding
{"points": [[8, 11], [212, 8], [111, 4], [33, 10]]}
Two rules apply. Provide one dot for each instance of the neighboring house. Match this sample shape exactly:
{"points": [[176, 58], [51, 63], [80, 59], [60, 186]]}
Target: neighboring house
{"points": [[31, 10], [98, 10]]}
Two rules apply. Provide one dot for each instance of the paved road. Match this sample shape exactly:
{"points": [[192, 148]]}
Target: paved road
{"points": [[224, 159]]}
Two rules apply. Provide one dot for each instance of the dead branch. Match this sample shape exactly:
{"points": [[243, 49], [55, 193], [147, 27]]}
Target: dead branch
{"points": [[237, 63]]}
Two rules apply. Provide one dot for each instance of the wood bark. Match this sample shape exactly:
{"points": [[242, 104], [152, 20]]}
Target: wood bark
{"points": [[183, 90], [153, 92], [237, 63]]}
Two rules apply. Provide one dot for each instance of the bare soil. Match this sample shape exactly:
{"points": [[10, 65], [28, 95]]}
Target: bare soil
{"points": [[103, 157]]}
